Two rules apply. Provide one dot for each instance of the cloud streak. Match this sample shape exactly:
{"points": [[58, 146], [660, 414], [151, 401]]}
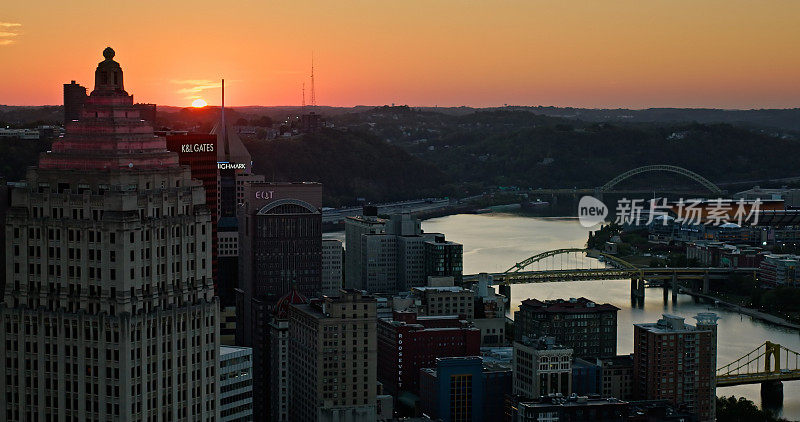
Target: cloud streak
{"points": [[7, 34], [196, 87]]}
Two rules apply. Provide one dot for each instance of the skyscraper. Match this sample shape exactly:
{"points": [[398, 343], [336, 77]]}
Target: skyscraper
{"points": [[280, 246], [332, 256], [109, 312]]}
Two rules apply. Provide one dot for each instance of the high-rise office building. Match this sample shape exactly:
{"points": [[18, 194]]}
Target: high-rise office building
{"points": [[332, 359], [74, 99], [444, 258], [675, 361], [588, 328], [280, 246], [354, 229], [541, 367], [235, 384], [389, 256], [332, 259], [109, 312]]}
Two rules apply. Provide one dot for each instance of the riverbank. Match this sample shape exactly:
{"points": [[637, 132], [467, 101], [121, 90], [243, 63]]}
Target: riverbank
{"points": [[763, 316]]}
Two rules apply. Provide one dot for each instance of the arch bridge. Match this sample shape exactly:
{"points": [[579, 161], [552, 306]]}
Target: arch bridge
{"points": [[662, 167], [568, 265]]}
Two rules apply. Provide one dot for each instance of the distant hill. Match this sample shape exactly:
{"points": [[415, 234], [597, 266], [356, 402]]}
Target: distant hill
{"points": [[349, 165]]}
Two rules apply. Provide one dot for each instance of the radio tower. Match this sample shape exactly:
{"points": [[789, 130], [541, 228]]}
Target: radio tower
{"points": [[303, 104], [313, 97]]}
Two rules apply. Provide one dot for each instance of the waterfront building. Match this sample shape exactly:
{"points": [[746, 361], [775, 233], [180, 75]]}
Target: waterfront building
{"points": [[779, 270], [235, 384], [332, 257], [109, 309], [588, 328], [541, 367], [720, 254], [390, 256], [444, 258], [409, 342], [354, 229], [333, 359], [675, 361]]}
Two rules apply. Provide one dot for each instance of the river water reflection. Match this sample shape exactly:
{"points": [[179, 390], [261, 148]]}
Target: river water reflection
{"points": [[494, 242]]}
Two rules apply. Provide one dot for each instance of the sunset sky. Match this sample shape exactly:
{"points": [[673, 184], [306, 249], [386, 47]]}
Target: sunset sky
{"points": [[592, 53]]}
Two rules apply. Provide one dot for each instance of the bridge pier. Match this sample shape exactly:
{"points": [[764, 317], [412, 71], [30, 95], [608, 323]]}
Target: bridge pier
{"points": [[674, 287], [772, 394], [705, 283], [637, 287], [505, 290]]}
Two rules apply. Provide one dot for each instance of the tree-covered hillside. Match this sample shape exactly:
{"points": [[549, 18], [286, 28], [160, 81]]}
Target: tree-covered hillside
{"points": [[349, 165]]}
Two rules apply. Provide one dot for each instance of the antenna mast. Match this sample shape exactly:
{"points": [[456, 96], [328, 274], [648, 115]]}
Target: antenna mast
{"points": [[303, 104], [313, 96]]}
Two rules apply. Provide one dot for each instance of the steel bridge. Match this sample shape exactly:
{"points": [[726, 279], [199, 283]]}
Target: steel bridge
{"points": [[769, 362], [610, 267], [663, 167]]}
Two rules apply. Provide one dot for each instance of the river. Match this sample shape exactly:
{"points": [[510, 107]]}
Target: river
{"points": [[494, 242]]}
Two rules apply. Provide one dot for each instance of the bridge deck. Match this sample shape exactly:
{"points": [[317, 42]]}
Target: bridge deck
{"points": [[757, 378], [649, 273]]}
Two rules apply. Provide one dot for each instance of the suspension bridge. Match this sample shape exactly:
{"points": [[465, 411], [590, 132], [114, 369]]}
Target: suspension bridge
{"points": [[767, 363]]}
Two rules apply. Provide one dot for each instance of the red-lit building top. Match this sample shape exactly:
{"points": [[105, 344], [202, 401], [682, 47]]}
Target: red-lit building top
{"points": [[110, 133]]}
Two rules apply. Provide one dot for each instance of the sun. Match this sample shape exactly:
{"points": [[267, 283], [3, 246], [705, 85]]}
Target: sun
{"points": [[199, 103]]}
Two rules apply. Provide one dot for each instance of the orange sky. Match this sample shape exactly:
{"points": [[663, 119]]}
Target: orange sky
{"points": [[591, 53]]}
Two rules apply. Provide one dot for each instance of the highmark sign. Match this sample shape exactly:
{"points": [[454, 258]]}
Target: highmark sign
{"points": [[197, 148], [230, 166]]}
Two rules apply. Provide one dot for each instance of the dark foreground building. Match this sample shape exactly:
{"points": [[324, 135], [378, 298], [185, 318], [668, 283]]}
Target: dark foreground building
{"points": [[109, 311]]}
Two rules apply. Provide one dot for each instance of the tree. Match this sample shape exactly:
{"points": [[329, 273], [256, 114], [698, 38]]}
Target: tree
{"points": [[263, 121], [731, 409]]}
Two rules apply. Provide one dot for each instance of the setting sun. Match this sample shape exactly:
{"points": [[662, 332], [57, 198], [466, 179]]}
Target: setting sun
{"points": [[198, 103]]}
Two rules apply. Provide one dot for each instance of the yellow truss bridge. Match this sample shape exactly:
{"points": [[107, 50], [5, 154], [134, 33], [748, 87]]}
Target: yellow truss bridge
{"points": [[769, 362]]}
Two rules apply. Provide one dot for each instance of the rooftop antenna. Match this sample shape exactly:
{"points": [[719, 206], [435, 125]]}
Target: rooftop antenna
{"points": [[313, 96], [304, 96]]}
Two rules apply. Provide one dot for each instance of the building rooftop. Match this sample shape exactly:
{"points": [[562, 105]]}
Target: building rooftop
{"points": [[573, 400], [579, 305], [226, 350], [455, 289], [672, 324]]}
